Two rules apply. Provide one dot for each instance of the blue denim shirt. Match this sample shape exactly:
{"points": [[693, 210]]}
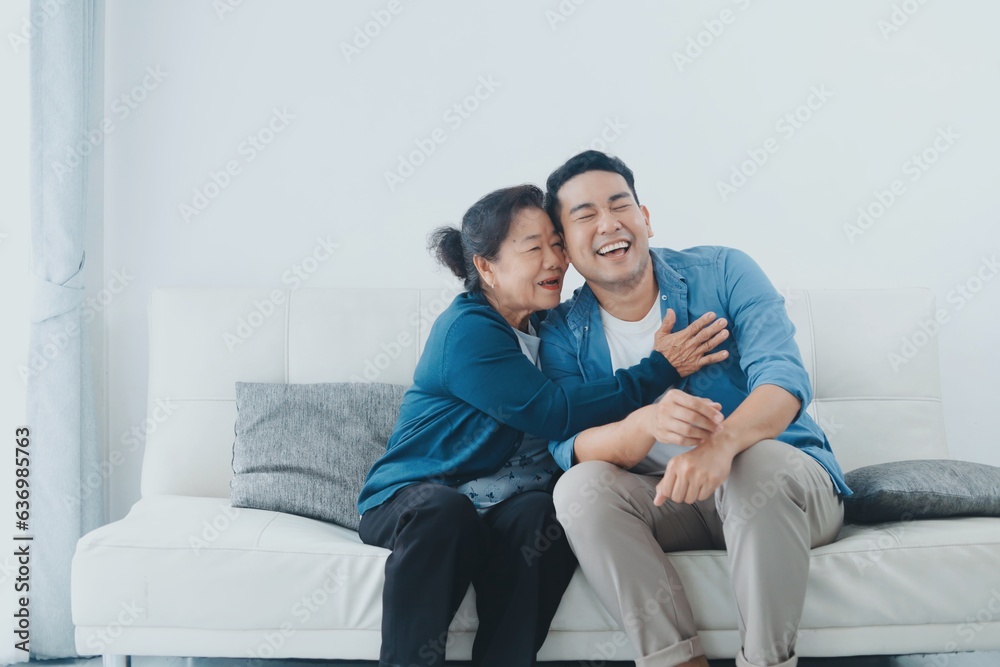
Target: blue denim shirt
{"points": [[475, 394], [761, 345]]}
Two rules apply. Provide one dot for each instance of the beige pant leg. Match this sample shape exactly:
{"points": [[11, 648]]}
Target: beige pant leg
{"points": [[776, 505], [620, 537]]}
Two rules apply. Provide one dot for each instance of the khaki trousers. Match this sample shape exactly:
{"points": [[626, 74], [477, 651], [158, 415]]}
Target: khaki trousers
{"points": [[776, 504]]}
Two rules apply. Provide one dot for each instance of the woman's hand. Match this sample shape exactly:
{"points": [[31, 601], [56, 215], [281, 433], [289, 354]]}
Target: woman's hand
{"points": [[678, 418], [688, 350], [682, 419]]}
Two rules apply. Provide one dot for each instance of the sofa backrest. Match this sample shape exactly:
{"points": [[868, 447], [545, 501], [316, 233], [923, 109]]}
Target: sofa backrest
{"points": [[871, 354]]}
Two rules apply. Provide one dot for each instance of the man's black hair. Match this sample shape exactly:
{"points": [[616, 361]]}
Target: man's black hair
{"points": [[579, 164]]}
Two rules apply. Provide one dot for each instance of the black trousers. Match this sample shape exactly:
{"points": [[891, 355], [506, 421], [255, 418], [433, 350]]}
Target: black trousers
{"points": [[516, 556]]}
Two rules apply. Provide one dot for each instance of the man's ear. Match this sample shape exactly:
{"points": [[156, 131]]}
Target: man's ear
{"points": [[645, 214], [485, 269]]}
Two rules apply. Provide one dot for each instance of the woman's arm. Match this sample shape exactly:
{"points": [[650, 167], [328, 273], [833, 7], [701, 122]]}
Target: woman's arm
{"points": [[484, 366], [678, 418]]}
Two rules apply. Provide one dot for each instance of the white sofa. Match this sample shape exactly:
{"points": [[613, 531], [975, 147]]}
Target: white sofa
{"points": [[184, 574]]}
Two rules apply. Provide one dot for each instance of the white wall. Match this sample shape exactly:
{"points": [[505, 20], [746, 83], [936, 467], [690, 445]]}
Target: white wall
{"points": [[682, 129]]}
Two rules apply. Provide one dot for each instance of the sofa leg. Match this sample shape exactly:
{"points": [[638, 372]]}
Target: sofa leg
{"points": [[117, 660]]}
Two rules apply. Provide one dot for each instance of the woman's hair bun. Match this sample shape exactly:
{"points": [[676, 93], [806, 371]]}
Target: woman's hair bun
{"points": [[446, 244]]}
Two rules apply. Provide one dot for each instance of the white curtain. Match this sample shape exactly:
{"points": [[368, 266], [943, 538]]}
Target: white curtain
{"points": [[60, 388]]}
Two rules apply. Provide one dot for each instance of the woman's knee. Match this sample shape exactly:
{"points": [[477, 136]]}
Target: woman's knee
{"points": [[534, 532], [435, 506]]}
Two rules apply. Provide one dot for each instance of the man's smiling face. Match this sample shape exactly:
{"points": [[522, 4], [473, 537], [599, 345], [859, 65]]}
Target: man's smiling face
{"points": [[607, 232]]}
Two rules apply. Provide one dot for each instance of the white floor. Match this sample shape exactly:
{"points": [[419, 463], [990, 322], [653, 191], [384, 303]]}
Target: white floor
{"points": [[981, 659]]}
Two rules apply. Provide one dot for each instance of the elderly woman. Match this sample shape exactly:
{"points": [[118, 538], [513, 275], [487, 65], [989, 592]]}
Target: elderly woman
{"points": [[463, 493]]}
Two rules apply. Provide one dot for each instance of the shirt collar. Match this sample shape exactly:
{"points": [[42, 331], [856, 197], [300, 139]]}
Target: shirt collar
{"points": [[585, 302]]}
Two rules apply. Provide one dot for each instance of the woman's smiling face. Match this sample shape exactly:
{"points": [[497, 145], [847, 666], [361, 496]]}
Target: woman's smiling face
{"points": [[527, 275]]}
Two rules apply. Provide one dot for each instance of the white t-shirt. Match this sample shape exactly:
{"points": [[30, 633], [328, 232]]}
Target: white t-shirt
{"points": [[630, 343]]}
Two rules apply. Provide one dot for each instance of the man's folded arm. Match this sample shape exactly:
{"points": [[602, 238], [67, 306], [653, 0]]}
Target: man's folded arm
{"points": [[762, 329], [611, 442]]}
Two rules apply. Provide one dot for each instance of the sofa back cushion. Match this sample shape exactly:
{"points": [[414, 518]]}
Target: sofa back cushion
{"points": [[874, 407], [872, 356]]}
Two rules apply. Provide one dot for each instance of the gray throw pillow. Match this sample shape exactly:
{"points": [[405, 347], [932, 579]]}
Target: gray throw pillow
{"points": [[924, 489], [306, 448]]}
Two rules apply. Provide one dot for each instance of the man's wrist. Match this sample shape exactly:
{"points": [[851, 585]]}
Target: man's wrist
{"points": [[637, 423], [726, 442]]}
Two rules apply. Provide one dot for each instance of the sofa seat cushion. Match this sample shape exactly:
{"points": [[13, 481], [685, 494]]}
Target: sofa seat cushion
{"points": [[190, 562]]}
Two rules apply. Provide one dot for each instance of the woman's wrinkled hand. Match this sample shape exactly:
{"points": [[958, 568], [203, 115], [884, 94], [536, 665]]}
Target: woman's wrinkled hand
{"points": [[690, 349]]}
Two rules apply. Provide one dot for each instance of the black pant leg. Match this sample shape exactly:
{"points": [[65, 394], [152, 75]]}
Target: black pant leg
{"points": [[522, 582], [438, 541]]}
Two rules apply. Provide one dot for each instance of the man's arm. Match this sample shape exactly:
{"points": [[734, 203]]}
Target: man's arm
{"points": [[779, 385], [695, 475], [679, 418], [762, 330], [683, 418]]}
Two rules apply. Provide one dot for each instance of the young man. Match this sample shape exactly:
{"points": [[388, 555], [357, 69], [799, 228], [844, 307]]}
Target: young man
{"points": [[683, 473]]}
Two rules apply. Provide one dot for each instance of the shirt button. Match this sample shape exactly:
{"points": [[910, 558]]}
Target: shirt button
{"points": [[586, 328], [663, 297]]}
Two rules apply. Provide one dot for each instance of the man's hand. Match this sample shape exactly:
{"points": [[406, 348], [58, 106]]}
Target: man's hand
{"points": [[694, 475], [678, 418], [688, 349], [682, 419]]}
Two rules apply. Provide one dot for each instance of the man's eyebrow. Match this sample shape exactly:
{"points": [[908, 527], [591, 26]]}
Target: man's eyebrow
{"points": [[579, 206], [625, 194], [621, 195]]}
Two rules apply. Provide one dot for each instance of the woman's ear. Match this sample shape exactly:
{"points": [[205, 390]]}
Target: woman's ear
{"points": [[485, 269]]}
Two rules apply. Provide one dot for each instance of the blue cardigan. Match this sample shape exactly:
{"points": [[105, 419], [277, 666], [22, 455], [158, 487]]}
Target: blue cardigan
{"points": [[475, 394]]}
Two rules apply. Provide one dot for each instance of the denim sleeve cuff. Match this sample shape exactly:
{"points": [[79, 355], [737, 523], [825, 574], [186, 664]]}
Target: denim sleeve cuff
{"points": [[562, 452], [787, 382]]}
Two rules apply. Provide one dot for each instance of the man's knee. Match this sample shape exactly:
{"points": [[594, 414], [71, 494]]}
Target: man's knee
{"points": [[582, 485], [764, 473]]}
